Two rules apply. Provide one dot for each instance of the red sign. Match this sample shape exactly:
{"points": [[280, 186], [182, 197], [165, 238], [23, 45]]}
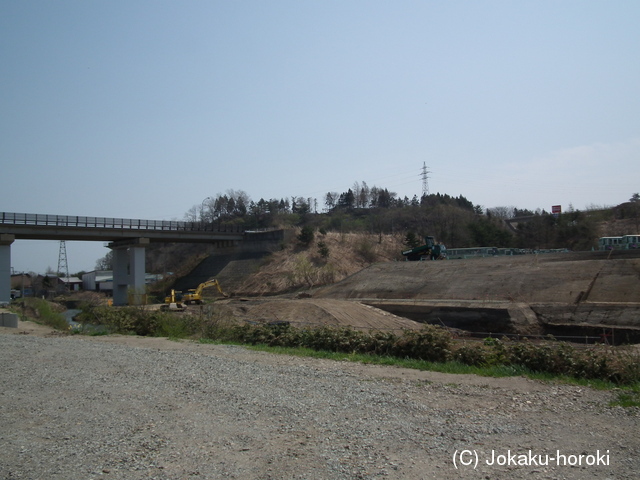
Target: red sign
{"points": [[556, 209]]}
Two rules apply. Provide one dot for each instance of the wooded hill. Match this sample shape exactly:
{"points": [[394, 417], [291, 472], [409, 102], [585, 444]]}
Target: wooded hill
{"points": [[454, 221], [378, 213]]}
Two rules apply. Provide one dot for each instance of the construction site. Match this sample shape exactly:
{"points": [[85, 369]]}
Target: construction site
{"points": [[584, 297]]}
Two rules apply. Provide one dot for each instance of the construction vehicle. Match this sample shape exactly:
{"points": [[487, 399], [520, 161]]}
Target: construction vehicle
{"points": [[429, 251], [194, 295], [173, 301]]}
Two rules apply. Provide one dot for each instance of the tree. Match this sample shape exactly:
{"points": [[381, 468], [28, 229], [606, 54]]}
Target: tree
{"points": [[106, 262], [330, 200], [346, 200], [192, 214], [411, 240], [323, 249], [635, 209], [503, 213], [487, 233], [306, 235]]}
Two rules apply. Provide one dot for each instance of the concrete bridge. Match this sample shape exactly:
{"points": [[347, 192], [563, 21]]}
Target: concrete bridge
{"points": [[127, 238]]}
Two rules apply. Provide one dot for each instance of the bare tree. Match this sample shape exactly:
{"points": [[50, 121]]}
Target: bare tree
{"points": [[192, 214], [330, 200], [503, 212]]}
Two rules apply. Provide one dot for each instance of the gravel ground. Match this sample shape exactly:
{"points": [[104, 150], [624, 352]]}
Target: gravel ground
{"points": [[142, 408]]}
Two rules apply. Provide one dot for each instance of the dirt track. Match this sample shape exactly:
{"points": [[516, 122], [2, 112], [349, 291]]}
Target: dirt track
{"points": [[125, 407]]}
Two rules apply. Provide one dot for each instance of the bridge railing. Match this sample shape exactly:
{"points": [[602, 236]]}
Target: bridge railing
{"points": [[8, 218]]}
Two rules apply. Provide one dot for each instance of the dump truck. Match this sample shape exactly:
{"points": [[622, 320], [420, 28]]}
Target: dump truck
{"points": [[429, 251], [194, 295]]}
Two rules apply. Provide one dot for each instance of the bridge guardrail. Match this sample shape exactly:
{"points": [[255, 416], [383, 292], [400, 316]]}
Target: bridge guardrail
{"points": [[8, 218]]}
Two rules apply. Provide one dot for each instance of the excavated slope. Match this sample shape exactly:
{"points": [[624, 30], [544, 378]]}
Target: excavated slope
{"points": [[517, 294]]}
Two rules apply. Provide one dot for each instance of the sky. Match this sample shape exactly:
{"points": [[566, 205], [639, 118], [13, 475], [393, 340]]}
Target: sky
{"points": [[143, 109]]}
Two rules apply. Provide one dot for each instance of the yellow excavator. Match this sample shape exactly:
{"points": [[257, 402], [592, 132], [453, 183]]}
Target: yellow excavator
{"points": [[173, 301], [194, 295]]}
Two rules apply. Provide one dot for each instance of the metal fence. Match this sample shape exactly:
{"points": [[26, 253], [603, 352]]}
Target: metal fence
{"points": [[7, 218]]}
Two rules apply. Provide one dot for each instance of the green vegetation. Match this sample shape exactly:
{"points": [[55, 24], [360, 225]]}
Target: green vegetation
{"points": [[431, 348], [41, 311], [139, 321], [627, 398], [455, 221]]}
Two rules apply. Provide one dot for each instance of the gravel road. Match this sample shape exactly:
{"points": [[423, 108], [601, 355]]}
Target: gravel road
{"points": [[146, 408]]}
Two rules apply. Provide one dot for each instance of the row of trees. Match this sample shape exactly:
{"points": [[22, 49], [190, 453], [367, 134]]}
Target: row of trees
{"points": [[455, 221]]}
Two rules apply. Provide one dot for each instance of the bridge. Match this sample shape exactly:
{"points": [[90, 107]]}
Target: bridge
{"points": [[127, 238]]}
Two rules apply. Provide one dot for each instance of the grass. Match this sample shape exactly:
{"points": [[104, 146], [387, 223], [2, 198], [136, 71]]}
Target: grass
{"points": [[431, 349], [627, 399], [42, 312], [451, 367]]}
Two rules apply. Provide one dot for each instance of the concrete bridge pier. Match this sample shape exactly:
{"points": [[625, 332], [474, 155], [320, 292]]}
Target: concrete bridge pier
{"points": [[6, 240], [129, 272]]}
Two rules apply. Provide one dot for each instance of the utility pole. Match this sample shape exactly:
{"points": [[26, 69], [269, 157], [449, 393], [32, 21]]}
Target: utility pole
{"points": [[425, 180], [63, 266]]}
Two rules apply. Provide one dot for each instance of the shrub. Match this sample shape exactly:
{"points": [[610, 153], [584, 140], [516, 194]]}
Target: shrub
{"points": [[366, 250], [323, 249], [431, 343], [306, 235], [474, 355], [44, 312], [137, 320]]}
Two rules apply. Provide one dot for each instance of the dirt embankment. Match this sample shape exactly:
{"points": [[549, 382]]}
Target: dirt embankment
{"points": [[517, 294], [524, 294], [546, 278]]}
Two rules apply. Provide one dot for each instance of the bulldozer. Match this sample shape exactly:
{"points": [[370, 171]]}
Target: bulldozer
{"points": [[194, 295], [429, 251]]}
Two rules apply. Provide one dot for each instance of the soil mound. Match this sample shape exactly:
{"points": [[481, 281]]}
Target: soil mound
{"points": [[309, 312]]}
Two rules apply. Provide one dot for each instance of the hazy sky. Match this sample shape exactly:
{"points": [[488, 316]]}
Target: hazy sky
{"points": [[142, 109]]}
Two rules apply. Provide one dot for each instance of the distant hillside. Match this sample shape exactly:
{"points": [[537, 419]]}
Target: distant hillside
{"points": [[295, 267]]}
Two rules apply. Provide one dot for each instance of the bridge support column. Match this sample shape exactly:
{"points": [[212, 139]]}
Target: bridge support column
{"points": [[129, 272], [120, 275], [137, 275], [6, 240]]}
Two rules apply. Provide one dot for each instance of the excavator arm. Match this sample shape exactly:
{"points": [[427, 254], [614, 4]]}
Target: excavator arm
{"points": [[195, 295], [210, 283]]}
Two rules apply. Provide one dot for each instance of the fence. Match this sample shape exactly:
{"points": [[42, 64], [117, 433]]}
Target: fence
{"points": [[37, 219]]}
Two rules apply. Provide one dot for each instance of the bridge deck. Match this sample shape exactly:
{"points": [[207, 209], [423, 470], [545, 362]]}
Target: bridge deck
{"points": [[33, 226]]}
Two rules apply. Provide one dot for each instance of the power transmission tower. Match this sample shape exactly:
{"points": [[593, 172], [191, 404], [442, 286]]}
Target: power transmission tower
{"points": [[63, 266], [425, 180]]}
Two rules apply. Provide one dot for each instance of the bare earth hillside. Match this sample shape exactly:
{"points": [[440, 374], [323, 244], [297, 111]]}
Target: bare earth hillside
{"points": [[584, 294], [294, 267]]}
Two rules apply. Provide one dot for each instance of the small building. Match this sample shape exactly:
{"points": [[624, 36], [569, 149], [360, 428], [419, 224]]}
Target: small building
{"points": [[20, 281], [98, 281], [624, 242], [73, 284], [102, 281]]}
